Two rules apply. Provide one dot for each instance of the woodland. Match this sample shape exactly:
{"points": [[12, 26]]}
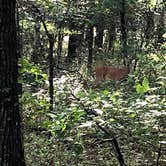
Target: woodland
{"points": [[82, 83]]}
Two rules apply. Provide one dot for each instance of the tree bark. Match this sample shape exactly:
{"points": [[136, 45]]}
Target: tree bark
{"points": [[37, 44], [11, 148], [99, 37], [72, 47], [161, 28], [51, 71], [112, 36], [59, 47], [149, 26], [75, 41], [123, 29], [90, 48]]}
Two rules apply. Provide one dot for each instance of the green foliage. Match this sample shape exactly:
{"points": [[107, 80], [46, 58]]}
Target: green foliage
{"points": [[62, 123], [35, 102], [134, 113], [141, 89], [30, 73], [35, 106], [132, 117]]}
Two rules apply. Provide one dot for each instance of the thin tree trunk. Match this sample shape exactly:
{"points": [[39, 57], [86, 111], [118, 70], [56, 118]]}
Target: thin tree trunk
{"points": [[11, 148], [51, 40], [161, 28], [51, 71], [59, 49], [112, 36], [37, 45], [123, 30], [90, 48], [149, 27], [99, 37]]}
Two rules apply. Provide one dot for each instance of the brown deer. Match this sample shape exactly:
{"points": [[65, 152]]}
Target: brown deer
{"points": [[110, 73]]}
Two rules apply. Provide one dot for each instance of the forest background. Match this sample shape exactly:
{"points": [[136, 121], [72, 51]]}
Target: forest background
{"points": [[66, 119]]}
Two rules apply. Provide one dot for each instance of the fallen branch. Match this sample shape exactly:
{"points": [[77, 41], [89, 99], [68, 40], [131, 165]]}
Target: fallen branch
{"points": [[113, 139]]}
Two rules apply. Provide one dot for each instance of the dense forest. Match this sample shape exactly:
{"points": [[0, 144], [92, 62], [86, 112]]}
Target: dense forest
{"points": [[82, 82]]}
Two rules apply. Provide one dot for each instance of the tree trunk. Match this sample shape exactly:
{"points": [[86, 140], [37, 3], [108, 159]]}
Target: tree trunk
{"points": [[72, 46], [59, 48], [90, 48], [37, 45], [123, 30], [161, 28], [99, 37], [149, 27], [112, 36], [11, 148], [51, 39], [19, 40], [75, 41], [51, 71]]}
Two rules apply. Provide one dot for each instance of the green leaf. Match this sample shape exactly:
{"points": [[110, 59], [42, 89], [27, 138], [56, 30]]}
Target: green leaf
{"points": [[64, 127], [106, 92], [133, 115], [112, 120], [145, 84], [141, 89]]}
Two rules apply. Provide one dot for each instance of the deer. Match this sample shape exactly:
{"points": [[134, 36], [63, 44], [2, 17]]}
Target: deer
{"points": [[110, 73]]}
